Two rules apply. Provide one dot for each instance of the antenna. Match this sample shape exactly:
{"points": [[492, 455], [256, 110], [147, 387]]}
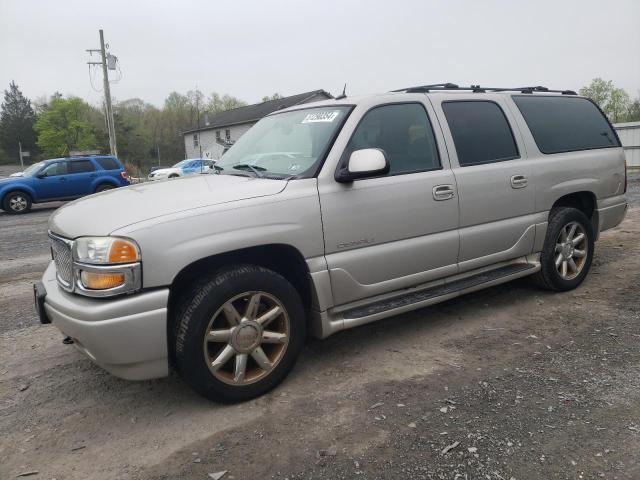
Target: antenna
{"points": [[343, 94]]}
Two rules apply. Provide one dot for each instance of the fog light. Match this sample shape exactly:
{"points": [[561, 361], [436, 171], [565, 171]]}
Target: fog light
{"points": [[101, 281]]}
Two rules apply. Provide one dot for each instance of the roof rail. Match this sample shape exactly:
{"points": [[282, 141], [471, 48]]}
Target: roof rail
{"points": [[478, 89]]}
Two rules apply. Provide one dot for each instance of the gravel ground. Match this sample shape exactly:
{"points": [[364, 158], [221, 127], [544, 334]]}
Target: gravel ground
{"points": [[510, 382]]}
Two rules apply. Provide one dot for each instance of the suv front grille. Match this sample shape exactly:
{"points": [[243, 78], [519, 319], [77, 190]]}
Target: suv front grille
{"points": [[61, 249]]}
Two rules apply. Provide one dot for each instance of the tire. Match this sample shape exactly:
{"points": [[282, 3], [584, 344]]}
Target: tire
{"points": [[173, 175], [104, 187], [213, 366], [16, 202], [563, 266]]}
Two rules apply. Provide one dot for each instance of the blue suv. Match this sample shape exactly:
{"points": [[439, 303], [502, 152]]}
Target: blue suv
{"points": [[61, 179]]}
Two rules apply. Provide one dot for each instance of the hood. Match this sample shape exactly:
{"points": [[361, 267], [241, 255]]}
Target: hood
{"points": [[4, 181], [17, 174], [102, 213]]}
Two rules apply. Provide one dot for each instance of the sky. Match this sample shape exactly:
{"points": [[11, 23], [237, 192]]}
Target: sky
{"points": [[254, 48]]}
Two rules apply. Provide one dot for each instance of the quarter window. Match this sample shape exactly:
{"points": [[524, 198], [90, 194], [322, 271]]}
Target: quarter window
{"points": [[108, 163], [81, 166], [403, 132], [565, 124], [480, 131]]}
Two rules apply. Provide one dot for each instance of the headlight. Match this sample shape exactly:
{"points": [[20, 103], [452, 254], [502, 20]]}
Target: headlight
{"points": [[106, 266], [105, 250]]}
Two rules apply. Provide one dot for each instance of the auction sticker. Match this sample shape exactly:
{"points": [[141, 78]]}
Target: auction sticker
{"points": [[321, 117]]}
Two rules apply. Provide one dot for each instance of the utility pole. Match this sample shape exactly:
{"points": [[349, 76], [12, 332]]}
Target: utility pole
{"points": [[107, 95]]}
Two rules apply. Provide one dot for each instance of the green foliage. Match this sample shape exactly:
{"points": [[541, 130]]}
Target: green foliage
{"points": [[217, 104], [65, 125], [16, 124], [613, 101], [633, 112], [275, 96]]}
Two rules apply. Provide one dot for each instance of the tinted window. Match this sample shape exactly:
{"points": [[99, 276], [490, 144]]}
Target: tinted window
{"points": [[80, 166], [403, 132], [53, 169], [108, 163], [565, 124], [480, 132]]}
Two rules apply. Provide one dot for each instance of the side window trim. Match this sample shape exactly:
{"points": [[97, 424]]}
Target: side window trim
{"points": [[506, 118], [343, 160]]}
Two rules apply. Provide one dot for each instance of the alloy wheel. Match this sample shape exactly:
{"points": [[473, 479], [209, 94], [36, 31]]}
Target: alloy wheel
{"points": [[18, 203], [571, 250], [246, 338]]}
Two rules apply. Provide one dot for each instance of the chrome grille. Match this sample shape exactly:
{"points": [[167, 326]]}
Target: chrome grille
{"points": [[62, 256]]}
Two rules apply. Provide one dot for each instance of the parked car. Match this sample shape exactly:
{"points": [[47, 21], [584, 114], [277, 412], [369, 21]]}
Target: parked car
{"points": [[381, 204], [61, 179], [185, 167]]}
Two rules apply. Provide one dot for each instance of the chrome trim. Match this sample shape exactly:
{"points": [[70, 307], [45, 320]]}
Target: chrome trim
{"points": [[132, 278], [64, 284]]}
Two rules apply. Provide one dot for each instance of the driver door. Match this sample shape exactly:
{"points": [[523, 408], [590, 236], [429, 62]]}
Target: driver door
{"points": [[398, 230], [53, 181]]}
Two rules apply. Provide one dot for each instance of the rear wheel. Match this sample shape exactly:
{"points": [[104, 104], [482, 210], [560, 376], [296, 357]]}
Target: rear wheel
{"points": [[568, 250], [104, 187], [16, 202], [238, 333]]}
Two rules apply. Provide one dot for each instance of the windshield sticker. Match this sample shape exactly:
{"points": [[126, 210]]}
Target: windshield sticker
{"points": [[321, 117]]}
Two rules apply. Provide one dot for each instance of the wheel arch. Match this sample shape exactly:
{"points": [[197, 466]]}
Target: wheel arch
{"points": [[18, 188], [281, 258], [104, 181], [585, 201]]}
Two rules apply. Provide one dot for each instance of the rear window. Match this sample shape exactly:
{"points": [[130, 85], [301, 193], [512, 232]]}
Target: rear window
{"points": [[480, 131], [565, 124], [80, 166], [108, 163]]}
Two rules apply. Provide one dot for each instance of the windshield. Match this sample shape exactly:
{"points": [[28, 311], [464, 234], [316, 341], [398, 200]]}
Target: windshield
{"points": [[285, 144], [32, 170], [182, 163]]}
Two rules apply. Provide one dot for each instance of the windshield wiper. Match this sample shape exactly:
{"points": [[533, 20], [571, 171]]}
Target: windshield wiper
{"points": [[254, 168]]}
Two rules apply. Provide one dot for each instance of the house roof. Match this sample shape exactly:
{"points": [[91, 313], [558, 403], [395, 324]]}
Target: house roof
{"points": [[253, 113]]}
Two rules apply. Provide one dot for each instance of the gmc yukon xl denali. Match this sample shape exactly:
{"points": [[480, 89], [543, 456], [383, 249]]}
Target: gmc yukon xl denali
{"points": [[327, 216]]}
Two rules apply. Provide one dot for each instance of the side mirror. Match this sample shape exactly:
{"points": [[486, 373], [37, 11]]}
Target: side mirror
{"points": [[368, 162], [41, 175]]}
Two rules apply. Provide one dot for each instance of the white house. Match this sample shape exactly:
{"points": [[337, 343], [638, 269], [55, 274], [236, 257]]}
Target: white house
{"points": [[216, 133], [629, 134]]}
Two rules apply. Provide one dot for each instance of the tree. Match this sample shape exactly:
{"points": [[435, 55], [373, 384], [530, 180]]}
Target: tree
{"points": [[633, 112], [217, 104], [613, 101], [16, 123], [64, 126], [275, 96]]}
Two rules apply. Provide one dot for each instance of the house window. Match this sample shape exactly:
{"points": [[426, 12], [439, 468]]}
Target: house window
{"points": [[227, 135], [217, 134], [195, 140]]}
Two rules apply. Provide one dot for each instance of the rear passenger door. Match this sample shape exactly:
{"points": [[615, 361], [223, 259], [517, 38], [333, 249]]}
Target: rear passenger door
{"points": [[80, 177], [495, 183], [398, 230]]}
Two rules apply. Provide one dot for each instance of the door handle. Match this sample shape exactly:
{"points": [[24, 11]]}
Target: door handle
{"points": [[518, 181], [443, 192]]}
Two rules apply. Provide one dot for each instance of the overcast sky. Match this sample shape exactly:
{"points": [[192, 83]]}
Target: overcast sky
{"points": [[255, 48]]}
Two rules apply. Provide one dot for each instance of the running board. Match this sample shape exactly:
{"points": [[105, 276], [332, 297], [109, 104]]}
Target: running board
{"points": [[413, 300]]}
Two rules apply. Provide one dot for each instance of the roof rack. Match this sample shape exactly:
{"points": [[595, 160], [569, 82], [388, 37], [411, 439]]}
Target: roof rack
{"points": [[478, 89]]}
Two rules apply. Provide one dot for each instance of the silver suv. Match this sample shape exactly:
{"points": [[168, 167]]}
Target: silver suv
{"points": [[327, 216]]}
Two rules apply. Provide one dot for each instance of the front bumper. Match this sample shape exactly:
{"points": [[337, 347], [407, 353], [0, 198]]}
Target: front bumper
{"points": [[127, 336]]}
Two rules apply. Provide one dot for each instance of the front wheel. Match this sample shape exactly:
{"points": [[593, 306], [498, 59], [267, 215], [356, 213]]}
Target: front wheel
{"points": [[568, 250], [238, 333], [16, 203]]}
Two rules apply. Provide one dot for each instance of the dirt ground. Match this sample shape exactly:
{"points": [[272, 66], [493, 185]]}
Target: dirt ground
{"points": [[507, 383]]}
